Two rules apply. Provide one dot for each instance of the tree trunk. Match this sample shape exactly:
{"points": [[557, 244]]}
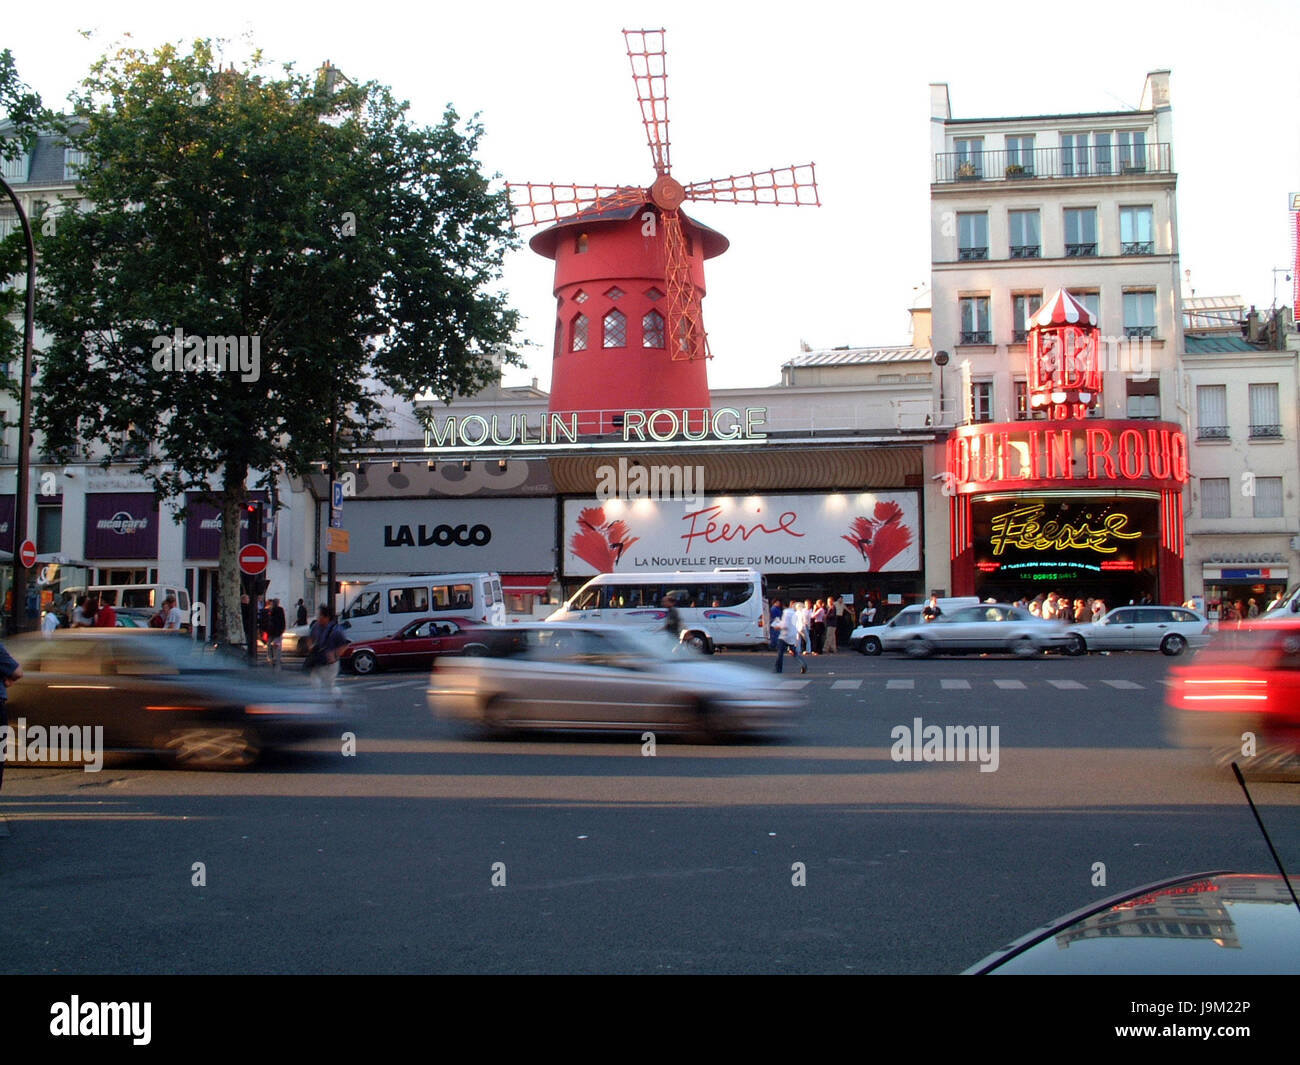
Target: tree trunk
{"points": [[229, 580]]}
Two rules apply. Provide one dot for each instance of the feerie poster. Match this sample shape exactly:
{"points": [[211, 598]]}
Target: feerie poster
{"points": [[850, 532]]}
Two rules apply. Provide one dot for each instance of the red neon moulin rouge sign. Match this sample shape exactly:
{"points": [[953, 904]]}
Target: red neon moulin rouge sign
{"points": [[1064, 367], [1149, 454]]}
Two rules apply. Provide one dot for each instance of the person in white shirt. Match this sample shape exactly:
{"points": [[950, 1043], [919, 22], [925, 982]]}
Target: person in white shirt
{"points": [[789, 639], [803, 623], [172, 616], [49, 623]]}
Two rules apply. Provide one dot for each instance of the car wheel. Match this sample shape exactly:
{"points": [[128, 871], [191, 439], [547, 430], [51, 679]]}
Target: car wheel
{"points": [[709, 726], [1024, 647], [1173, 644], [474, 650], [919, 648], [496, 716], [364, 663], [1077, 646], [213, 748], [870, 646]]}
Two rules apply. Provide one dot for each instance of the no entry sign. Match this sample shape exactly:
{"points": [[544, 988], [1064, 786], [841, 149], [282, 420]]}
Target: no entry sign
{"points": [[27, 554], [252, 559]]}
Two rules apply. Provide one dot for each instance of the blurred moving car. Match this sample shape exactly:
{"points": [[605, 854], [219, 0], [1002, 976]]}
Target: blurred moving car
{"points": [[568, 676], [415, 645], [989, 627], [159, 691], [1217, 922], [1168, 629], [870, 639], [1245, 685]]}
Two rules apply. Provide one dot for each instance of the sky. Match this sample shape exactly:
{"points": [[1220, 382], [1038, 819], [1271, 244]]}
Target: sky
{"points": [[764, 85]]}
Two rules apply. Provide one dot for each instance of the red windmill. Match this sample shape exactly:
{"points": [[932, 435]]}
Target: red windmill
{"points": [[626, 254]]}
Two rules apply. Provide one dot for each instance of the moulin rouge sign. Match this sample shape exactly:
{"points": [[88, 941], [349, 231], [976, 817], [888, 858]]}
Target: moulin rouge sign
{"points": [[1086, 450]]}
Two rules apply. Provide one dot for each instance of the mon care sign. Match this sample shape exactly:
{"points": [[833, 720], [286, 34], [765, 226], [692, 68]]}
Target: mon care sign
{"points": [[851, 532]]}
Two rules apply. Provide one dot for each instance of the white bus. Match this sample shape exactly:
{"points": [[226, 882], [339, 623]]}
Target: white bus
{"points": [[725, 607], [381, 608]]}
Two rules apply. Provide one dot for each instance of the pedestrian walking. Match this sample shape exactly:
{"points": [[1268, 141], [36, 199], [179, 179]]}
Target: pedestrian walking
{"points": [[788, 628], [11, 672], [672, 619], [774, 623], [49, 623], [301, 614], [803, 622], [105, 615], [324, 640], [173, 619], [275, 626]]}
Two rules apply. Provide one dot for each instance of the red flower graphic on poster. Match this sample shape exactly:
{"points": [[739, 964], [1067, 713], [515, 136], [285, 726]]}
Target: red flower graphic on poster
{"points": [[879, 538], [598, 542]]}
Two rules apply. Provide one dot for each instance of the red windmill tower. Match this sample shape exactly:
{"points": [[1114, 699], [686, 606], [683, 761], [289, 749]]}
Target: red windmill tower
{"points": [[629, 268]]}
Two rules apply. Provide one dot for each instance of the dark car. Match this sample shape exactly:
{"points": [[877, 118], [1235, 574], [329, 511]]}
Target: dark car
{"points": [[1210, 923], [415, 645], [152, 690]]}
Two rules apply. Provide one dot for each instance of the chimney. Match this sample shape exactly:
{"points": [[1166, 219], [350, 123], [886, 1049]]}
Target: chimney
{"points": [[1251, 327], [1155, 92], [940, 106]]}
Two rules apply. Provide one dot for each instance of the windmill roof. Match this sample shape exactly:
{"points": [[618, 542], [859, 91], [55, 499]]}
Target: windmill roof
{"points": [[543, 243], [859, 356]]}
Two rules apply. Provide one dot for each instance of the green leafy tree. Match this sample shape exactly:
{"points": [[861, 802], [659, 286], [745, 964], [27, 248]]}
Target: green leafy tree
{"points": [[301, 216]]}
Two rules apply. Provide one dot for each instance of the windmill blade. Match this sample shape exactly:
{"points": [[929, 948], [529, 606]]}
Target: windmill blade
{"points": [[534, 203], [645, 51], [788, 186], [685, 325]]}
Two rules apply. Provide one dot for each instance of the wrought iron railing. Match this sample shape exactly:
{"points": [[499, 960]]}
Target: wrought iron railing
{"points": [[1212, 432], [1138, 247], [976, 336], [1080, 251], [1075, 162], [1025, 251], [1139, 332], [1265, 432], [966, 255]]}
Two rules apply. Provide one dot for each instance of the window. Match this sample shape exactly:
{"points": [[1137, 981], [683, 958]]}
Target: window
{"points": [[1135, 231], [652, 330], [1101, 153], [615, 330], [1023, 304], [1023, 411], [1265, 414], [1139, 314], [970, 156], [414, 600], [1074, 154], [578, 340], [1080, 231], [1091, 300], [972, 235], [981, 401], [1025, 240], [653, 294], [1144, 399], [975, 321], [452, 597], [1268, 497], [49, 529], [364, 605], [1020, 156], [1131, 147], [73, 161], [580, 297], [614, 293], [14, 169], [580, 244], [1211, 412]]}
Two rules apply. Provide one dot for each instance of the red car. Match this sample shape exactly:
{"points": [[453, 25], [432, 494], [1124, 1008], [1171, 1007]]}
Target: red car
{"points": [[415, 645], [1242, 692]]}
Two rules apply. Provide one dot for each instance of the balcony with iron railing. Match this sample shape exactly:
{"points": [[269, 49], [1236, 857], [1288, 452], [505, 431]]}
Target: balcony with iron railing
{"points": [[1266, 432], [1212, 432], [1095, 161]]}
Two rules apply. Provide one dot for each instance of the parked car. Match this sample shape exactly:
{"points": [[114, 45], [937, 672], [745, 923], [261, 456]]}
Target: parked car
{"points": [[1208, 923], [568, 676], [1243, 688], [1168, 629], [870, 639], [988, 627], [415, 645], [153, 690]]}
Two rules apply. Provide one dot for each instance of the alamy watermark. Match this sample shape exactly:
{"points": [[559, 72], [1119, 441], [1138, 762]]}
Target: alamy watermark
{"points": [[58, 743], [954, 743], [179, 353], [633, 481]]}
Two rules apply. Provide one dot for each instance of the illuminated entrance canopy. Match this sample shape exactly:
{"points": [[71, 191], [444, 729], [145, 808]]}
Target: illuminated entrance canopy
{"points": [[1086, 452]]}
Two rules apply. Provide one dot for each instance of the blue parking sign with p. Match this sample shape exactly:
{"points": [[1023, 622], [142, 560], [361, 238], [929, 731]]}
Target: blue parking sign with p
{"points": [[336, 495]]}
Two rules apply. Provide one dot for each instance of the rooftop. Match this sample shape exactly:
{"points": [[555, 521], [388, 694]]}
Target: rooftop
{"points": [[858, 356]]}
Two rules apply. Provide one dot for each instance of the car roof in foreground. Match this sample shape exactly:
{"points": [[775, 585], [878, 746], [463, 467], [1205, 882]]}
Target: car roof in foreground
{"points": [[1239, 923]]}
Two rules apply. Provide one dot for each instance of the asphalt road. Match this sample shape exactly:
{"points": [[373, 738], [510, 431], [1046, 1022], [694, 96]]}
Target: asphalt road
{"points": [[618, 862]]}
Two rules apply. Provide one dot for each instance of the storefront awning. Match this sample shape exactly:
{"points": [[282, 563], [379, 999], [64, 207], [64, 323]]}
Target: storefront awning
{"points": [[525, 584]]}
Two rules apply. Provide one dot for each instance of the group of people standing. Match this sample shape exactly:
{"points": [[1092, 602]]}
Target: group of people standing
{"points": [[1056, 607], [807, 627]]}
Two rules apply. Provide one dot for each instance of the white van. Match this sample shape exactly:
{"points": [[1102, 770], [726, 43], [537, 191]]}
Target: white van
{"points": [[381, 608], [725, 607]]}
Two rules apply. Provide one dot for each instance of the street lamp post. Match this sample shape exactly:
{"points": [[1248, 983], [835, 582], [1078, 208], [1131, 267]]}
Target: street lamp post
{"points": [[18, 611]]}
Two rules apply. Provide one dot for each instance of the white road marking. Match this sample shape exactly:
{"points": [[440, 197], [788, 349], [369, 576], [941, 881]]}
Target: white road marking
{"points": [[847, 685], [904, 684], [795, 684], [1124, 684], [1066, 685], [954, 684], [1010, 685]]}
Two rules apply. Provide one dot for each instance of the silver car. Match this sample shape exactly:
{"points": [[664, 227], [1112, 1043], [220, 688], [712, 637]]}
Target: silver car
{"points": [[989, 627], [566, 676], [1170, 629]]}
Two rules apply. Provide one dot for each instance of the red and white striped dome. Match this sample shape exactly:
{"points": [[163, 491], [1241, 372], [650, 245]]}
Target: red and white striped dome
{"points": [[1062, 309]]}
